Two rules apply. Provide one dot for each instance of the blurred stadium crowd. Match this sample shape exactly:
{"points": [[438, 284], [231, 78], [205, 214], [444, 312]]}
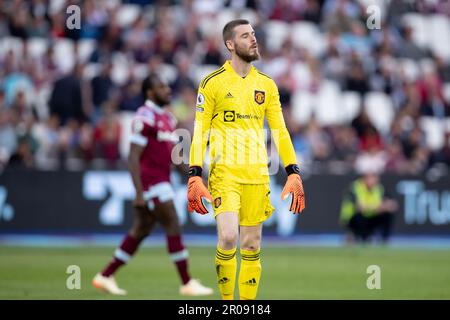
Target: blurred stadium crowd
{"points": [[353, 97]]}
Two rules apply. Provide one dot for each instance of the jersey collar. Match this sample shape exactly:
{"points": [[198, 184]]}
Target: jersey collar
{"points": [[228, 67], [150, 104]]}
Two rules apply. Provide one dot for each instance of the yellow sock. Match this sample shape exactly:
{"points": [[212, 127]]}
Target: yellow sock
{"points": [[249, 274], [226, 266]]}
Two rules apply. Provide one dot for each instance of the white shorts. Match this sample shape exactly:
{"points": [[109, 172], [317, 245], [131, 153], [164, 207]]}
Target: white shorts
{"points": [[158, 193]]}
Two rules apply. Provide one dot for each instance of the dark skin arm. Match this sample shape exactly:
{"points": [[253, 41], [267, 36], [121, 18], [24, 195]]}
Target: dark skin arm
{"points": [[134, 168]]}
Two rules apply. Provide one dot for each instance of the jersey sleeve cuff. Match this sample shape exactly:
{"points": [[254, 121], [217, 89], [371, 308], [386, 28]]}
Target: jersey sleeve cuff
{"points": [[139, 140]]}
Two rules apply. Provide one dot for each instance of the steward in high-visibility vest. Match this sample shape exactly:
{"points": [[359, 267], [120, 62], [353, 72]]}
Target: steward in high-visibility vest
{"points": [[366, 208]]}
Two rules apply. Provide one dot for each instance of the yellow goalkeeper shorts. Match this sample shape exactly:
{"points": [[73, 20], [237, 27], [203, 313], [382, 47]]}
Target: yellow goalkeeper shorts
{"points": [[250, 201]]}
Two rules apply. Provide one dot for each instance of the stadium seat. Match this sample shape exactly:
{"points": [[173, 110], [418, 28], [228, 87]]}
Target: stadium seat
{"points": [[204, 7], [64, 54], [380, 110], [209, 27], [328, 109], [85, 49], [420, 25], [168, 72], [225, 15], [249, 15], [37, 47], [11, 43], [41, 98], [307, 35], [427, 66], [439, 36], [410, 69], [301, 74], [120, 70], [125, 118], [127, 14], [276, 34], [302, 106], [140, 70], [91, 70], [350, 105], [278, 67], [381, 4], [434, 132]]}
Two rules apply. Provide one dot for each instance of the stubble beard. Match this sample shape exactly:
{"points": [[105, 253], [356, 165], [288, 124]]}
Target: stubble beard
{"points": [[246, 56]]}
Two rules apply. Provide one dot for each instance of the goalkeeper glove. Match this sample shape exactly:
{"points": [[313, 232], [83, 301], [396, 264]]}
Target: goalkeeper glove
{"points": [[197, 191], [294, 185]]}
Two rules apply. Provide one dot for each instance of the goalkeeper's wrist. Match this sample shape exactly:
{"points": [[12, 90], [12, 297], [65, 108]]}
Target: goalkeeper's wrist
{"points": [[292, 169], [195, 171]]}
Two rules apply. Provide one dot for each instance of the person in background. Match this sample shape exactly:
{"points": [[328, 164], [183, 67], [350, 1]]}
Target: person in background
{"points": [[367, 208]]}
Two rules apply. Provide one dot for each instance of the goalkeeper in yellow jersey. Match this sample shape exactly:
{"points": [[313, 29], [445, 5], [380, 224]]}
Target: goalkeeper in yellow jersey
{"points": [[232, 103]]}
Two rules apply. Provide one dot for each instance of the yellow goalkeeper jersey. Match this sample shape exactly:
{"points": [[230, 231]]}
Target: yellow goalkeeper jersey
{"points": [[230, 112]]}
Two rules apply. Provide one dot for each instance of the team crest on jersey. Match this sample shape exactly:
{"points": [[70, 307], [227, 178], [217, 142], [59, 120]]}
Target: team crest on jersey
{"points": [[260, 96], [217, 202]]}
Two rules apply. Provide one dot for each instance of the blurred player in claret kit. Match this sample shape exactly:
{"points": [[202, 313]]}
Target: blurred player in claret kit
{"points": [[150, 164], [232, 104]]}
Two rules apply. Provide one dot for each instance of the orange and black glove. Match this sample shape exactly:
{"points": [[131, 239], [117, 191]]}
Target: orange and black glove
{"points": [[294, 185], [197, 191]]}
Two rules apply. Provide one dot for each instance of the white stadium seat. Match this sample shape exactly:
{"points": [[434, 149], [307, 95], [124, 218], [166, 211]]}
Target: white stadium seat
{"points": [[420, 25], [328, 108], [427, 66], [249, 15], [64, 54], [209, 27], [91, 70], [140, 70], [302, 106], [380, 110], [410, 69], [381, 4], [439, 36], [307, 35], [276, 34], [11, 43], [120, 70], [350, 105], [225, 15], [127, 14], [37, 47], [85, 49], [168, 72], [434, 132], [301, 74], [125, 118]]}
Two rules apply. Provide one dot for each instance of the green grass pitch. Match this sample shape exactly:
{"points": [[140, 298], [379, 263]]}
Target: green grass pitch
{"points": [[293, 273]]}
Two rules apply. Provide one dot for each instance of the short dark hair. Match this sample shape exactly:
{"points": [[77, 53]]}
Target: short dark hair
{"points": [[148, 83], [228, 30]]}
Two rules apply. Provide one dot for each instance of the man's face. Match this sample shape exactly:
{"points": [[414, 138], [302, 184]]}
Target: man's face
{"points": [[244, 43], [161, 93], [371, 180]]}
